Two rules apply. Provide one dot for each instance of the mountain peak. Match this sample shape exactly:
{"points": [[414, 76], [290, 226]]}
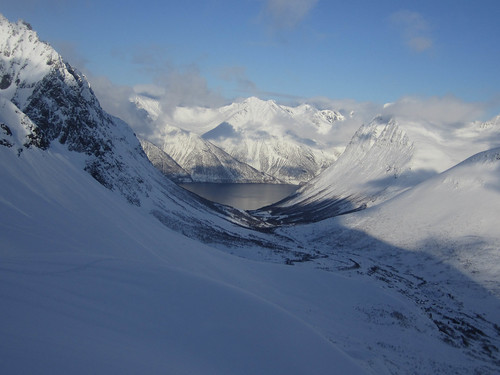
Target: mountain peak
{"points": [[26, 60], [255, 100]]}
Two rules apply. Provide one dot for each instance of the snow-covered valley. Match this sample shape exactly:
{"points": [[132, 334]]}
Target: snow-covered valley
{"points": [[106, 266]]}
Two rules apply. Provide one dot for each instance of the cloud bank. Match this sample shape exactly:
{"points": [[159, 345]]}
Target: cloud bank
{"points": [[448, 110]]}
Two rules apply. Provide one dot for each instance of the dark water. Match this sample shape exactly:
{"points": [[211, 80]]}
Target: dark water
{"points": [[242, 196]]}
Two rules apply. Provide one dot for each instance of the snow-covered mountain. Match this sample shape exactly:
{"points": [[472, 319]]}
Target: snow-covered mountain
{"points": [[206, 162], [437, 243], [164, 163], [384, 158], [284, 142], [96, 277], [48, 105], [456, 208]]}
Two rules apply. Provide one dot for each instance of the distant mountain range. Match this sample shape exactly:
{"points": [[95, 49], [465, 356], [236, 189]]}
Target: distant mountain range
{"points": [[283, 143]]}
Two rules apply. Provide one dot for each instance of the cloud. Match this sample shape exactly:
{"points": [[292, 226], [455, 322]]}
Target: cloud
{"points": [[356, 113], [173, 84], [237, 74], [444, 114], [185, 86], [286, 14], [173, 87], [115, 99], [447, 111], [71, 53], [414, 28]]}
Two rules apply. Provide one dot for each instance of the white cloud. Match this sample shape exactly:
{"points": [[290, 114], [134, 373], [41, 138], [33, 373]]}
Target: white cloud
{"points": [[414, 28], [447, 111], [71, 53], [172, 84], [445, 114], [172, 88], [287, 14], [237, 75], [115, 99], [419, 44], [185, 86]]}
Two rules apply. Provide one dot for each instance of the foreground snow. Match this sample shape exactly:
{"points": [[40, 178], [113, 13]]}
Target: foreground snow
{"points": [[91, 283]]}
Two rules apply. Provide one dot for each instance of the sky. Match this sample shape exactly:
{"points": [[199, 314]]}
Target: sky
{"points": [[212, 51]]}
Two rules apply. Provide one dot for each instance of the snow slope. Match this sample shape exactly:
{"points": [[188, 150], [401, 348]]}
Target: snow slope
{"points": [[285, 142], [437, 244], [384, 158], [164, 163], [458, 208], [89, 283]]}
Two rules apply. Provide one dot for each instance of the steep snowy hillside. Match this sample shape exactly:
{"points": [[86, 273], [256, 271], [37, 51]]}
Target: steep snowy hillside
{"points": [[289, 161], [206, 162], [90, 283], [436, 243], [285, 142], [383, 159], [46, 103], [164, 163], [459, 209]]}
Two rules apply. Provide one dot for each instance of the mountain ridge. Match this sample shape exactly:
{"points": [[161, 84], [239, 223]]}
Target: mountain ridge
{"points": [[383, 159]]}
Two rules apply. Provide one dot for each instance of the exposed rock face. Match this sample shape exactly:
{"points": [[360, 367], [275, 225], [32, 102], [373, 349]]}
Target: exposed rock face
{"points": [[62, 107]]}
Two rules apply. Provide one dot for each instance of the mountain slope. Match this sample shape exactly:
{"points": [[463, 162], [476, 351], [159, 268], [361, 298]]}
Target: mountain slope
{"points": [[383, 159], [437, 243], [276, 139], [164, 163], [290, 162], [46, 103], [91, 283], [206, 162], [459, 206]]}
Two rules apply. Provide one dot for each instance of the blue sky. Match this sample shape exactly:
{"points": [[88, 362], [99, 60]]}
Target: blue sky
{"points": [[376, 51]]}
